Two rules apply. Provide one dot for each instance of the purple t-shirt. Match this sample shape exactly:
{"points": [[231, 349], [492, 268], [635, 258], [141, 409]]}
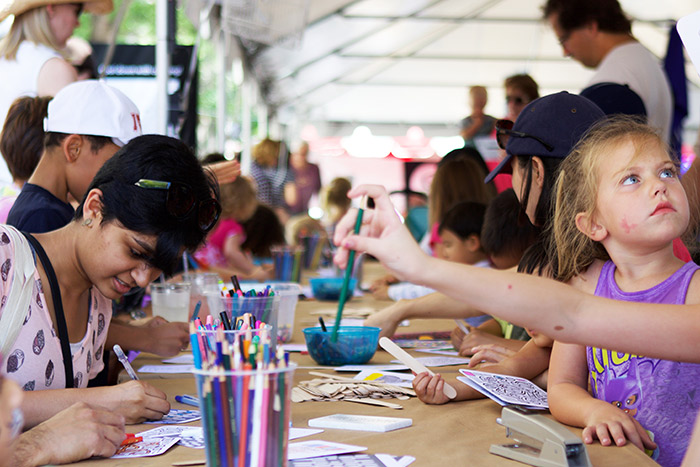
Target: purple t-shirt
{"points": [[661, 394]]}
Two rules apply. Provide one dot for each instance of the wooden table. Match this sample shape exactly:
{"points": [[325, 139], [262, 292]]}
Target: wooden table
{"points": [[458, 433]]}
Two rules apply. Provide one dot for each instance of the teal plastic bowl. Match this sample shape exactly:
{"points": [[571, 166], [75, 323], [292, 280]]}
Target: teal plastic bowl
{"points": [[328, 288], [355, 345]]}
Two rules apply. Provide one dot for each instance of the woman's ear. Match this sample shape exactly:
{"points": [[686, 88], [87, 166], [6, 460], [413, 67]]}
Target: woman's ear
{"points": [[588, 226], [92, 206], [537, 171]]}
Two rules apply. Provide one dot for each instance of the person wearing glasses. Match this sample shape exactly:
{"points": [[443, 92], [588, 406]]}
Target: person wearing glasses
{"points": [[147, 204], [598, 35], [520, 89], [538, 142]]}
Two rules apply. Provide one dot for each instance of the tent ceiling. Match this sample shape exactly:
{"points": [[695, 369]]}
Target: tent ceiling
{"points": [[410, 61]]}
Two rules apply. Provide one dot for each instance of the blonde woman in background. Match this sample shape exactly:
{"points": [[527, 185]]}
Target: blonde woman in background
{"points": [[31, 60]]}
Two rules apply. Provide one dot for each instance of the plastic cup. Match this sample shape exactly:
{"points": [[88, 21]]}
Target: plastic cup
{"points": [[264, 309], [288, 293], [288, 261], [171, 300], [203, 285], [245, 415]]}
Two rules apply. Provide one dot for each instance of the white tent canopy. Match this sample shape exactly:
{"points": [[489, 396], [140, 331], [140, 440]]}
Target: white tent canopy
{"points": [[397, 63]]}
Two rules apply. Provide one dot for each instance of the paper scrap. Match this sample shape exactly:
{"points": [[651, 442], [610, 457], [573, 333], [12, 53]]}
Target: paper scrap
{"points": [[178, 416], [319, 448], [295, 433], [184, 359], [440, 361], [166, 369]]}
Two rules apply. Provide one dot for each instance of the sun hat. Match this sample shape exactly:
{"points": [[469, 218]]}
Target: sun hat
{"points": [[17, 7], [92, 107], [549, 127], [615, 98]]}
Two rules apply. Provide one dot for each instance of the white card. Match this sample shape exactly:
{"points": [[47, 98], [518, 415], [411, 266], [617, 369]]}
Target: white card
{"points": [[295, 433], [342, 421], [506, 389], [166, 369], [184, 359], [440, 361], [397, 379], [319, 448]]}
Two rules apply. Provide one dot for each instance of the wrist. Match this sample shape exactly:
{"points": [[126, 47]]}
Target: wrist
{"points": [[29, 450]]}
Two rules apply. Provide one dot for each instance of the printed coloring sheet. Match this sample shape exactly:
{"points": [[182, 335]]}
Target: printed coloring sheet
{"points": [[506, 389]]}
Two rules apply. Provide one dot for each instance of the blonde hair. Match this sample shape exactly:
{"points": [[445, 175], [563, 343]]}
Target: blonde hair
{"points": [[576, 190], [32, 26], [267, 152], [456, 180], [236, 197], [334, 198]]}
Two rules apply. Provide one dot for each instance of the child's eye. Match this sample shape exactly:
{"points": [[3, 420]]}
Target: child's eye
{"points": [[668, 173], [139, 255], [630, 179]]}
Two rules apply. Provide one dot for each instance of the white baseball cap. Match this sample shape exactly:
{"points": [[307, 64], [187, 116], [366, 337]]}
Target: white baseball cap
{"points": [[91, 107]]}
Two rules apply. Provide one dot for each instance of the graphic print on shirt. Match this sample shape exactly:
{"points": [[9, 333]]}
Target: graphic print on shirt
{"points": [[15, 361]]}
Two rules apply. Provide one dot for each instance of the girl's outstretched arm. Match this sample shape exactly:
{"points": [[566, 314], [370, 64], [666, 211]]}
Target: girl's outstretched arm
{"points": [[549, 307]]}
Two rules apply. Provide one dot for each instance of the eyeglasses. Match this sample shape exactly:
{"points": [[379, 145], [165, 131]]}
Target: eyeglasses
{"points": [[504, 130], [515, 99], [180, 202]]}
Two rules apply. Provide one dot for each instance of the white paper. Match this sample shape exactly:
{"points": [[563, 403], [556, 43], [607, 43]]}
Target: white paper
{"points": [[319, 448], [184, 359], [506, 389], [296, 433], [451, 353], [294, 347], [386, 367], [397, 379], [440, 361], [166, 369], [178, 416], [146, 448], [341, 421]]}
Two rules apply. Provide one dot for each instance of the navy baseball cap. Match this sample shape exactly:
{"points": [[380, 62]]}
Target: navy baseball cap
{"points": [[549, 127], [614, 98]]}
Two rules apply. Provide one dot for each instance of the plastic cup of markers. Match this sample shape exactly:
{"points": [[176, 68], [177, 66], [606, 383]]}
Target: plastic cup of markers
{"points": [[288, 292], [245, 415], [234, 336], [265, 309], [288, 262]]}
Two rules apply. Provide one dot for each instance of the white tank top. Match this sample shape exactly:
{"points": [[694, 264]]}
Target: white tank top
{"points": [[19, 77]]}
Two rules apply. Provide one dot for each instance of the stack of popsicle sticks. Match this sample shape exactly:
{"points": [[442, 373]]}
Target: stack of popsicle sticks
{"points": [[335, 388]]}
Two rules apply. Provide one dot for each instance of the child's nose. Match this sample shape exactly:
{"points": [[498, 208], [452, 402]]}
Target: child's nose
{"points": [[144, 275]]}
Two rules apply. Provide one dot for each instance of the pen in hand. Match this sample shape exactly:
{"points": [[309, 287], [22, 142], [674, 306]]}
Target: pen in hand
{"points": [[125, 361]]}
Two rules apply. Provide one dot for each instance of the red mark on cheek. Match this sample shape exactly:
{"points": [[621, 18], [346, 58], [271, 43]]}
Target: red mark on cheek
{"points": [[625, 226], [558, 328], [510, 286]]}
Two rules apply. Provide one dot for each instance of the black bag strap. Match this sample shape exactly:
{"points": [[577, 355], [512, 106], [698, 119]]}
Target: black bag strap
{"points": [[57, 307]]}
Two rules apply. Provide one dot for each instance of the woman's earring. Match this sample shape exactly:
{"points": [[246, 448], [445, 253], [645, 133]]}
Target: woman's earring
{"points": [[87, 222]]}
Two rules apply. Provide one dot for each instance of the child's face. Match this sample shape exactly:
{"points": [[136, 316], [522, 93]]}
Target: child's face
{"points": [[454, 248], [640, 198]]}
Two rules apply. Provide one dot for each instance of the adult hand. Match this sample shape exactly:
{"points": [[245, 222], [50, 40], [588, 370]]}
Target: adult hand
{"points": [[137, 401], [429, 388], [489, 353], [76, 433], [607, 423], [382, 235], [387, 319], [225, 171], [167, 339]]}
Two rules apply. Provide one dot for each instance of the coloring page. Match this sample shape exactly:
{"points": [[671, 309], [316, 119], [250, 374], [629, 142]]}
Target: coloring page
{"points": [[508, 389], [178, 416]]}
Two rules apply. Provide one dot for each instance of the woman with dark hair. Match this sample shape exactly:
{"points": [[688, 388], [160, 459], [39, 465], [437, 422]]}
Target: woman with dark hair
{"points": [[146, 205]]}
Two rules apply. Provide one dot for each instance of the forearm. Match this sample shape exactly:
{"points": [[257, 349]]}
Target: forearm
{"points": [[571, 404], [129, 337], [39, 406]]}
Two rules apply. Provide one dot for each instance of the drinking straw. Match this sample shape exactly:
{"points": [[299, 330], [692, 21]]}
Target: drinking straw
{"points": [[185, 264], [348, 272]]}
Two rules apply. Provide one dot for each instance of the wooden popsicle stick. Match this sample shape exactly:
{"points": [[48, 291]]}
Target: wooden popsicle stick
{"points": [[417, 367], [369, 401]]}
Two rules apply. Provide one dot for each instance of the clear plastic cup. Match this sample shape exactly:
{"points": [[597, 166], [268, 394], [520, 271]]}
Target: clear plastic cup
{"points": [[245, 415], [171, 300]]}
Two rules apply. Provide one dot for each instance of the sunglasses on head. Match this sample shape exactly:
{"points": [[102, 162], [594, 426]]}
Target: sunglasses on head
{"points": [[504, 130], [180, 202]]}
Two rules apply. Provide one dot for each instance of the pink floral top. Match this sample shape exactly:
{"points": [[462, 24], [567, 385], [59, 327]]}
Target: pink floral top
{"points": [[35, 360]]}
